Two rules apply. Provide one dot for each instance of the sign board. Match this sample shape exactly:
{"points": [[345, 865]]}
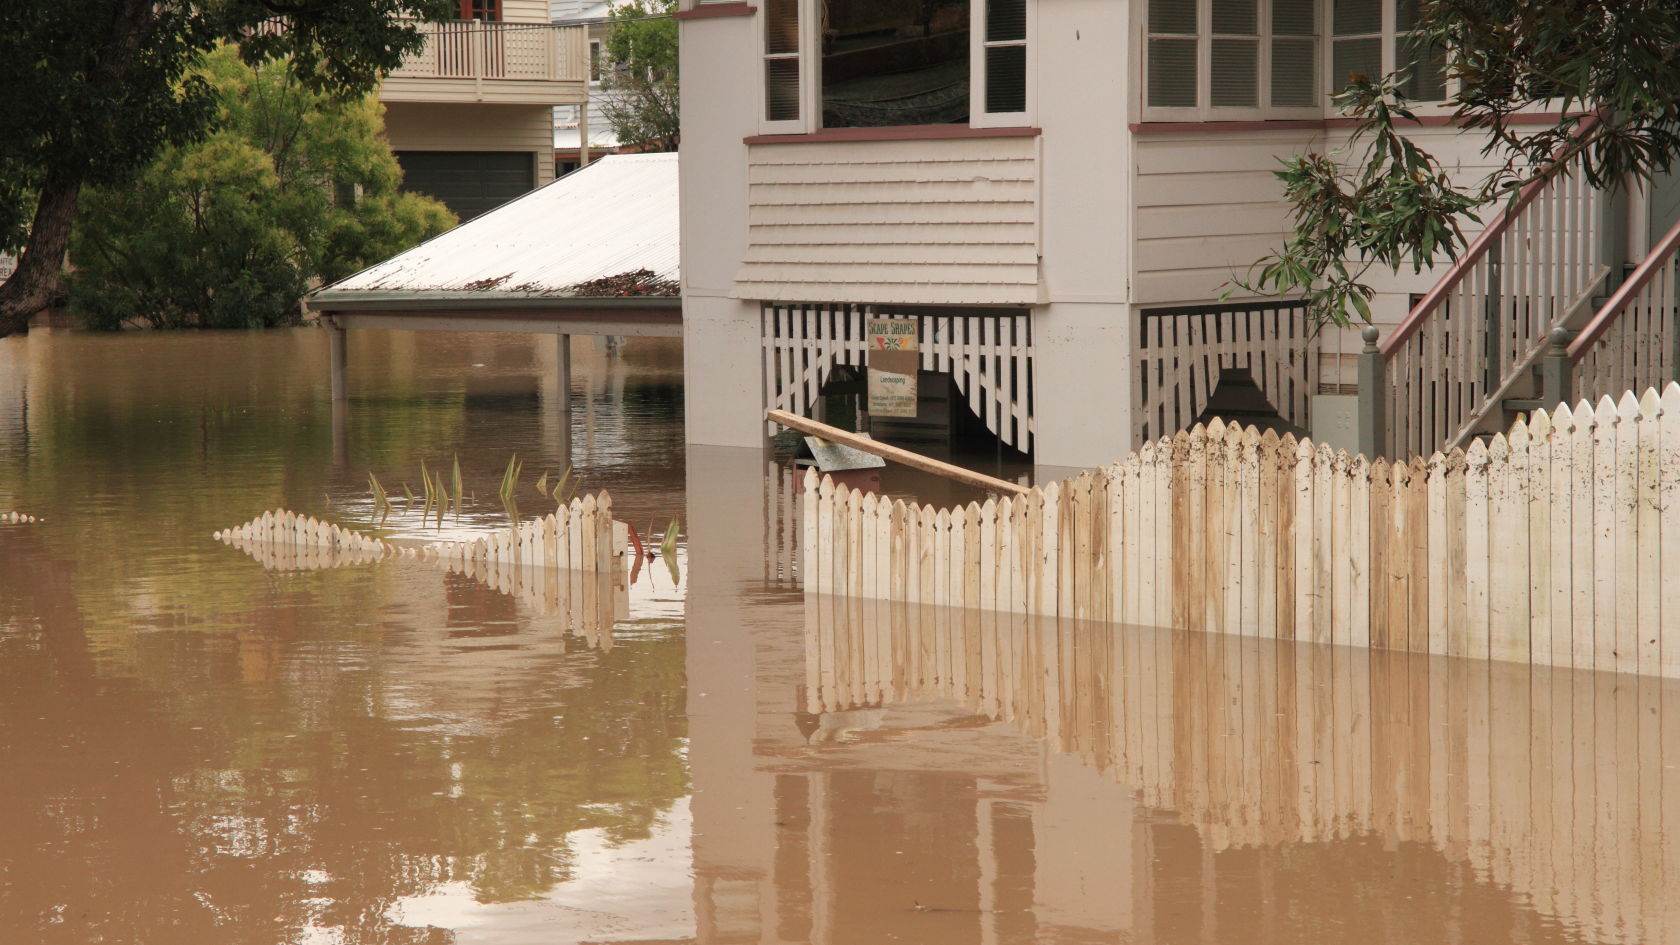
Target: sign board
{"points": [[894, 358], [8, 265]]}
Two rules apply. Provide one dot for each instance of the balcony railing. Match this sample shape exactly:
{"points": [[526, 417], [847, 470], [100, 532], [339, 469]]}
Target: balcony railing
{"points": [[475, 49]]}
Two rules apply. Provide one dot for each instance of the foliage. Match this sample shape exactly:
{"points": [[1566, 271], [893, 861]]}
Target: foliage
{"points": [[96, 89], [640, 79], [1608, 70], [230, 231]]}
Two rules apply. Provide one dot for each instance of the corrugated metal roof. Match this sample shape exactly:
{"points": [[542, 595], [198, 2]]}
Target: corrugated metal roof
{"points": [[615, 216]]}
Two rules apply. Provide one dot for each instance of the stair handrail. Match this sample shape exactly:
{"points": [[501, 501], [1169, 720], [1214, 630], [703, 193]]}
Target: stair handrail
{"points": [[1478, 248], [1618, 302]]}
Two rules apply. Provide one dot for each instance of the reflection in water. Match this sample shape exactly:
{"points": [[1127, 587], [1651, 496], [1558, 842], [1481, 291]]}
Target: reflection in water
{"points": [[1559, 788], [194, 749]]}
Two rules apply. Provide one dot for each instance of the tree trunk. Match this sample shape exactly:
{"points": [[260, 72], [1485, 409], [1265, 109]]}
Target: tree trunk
{"points": [[35, 284]]}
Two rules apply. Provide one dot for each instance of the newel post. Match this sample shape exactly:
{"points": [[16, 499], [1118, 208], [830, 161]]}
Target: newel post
{"points": [[1557, 371], [1373, 396]]}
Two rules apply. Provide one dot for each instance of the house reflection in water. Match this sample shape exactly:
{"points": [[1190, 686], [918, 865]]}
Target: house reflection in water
{"points": [[963, 777]]}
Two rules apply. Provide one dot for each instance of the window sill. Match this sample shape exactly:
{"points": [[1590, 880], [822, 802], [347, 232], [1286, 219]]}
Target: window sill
{"points": [[894, 133], [1314, 124], [706, 11]]}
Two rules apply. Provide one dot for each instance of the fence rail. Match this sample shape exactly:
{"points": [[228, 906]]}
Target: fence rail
{"points": [[1546, 546], [1633, 341], [472, 49], [1487, 320]]}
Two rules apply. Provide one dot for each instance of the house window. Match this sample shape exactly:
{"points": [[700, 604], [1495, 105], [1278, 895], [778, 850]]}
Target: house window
{"points": [[490, 10], [594, 60], [1223, 59], [1374, 37], [1212, 60], [875, 63]]}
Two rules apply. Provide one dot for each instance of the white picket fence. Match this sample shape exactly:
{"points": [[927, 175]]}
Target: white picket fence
{"points": [[1561, 786], [580, 536], [1547, 546]]}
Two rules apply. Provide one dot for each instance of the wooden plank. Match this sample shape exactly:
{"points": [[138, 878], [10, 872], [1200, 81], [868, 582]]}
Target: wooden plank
{"points": [[1602, 488], [1284, 487], [1583, 538], [1476, 551], [1358, 553], [1306, 538], [1627, 534], [1648, 639], [893, 453], [1508, 623], [1379, 532], [1669, 496], [1264, 556]]}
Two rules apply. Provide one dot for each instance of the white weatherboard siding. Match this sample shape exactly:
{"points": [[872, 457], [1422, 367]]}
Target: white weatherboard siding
{"points": [[455, 127], [1208, 205], [929, 222]]}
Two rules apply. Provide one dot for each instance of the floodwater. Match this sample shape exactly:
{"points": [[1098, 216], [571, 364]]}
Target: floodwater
{"points": [[197, 748]]}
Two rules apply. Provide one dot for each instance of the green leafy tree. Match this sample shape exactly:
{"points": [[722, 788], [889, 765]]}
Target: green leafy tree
{"points": [[1608, 69], [228, 232], [640, 82], [95, 89]]}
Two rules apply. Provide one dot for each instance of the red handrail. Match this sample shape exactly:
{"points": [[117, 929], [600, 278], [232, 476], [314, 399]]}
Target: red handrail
{"points": [[1478, 248], [1659, 256]]}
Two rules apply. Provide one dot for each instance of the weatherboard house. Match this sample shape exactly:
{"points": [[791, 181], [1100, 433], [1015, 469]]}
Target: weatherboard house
{"points": [[1058, 192]]}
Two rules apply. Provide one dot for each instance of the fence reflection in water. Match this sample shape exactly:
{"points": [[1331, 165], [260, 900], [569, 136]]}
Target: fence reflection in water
{"points": [[1560, 785]]}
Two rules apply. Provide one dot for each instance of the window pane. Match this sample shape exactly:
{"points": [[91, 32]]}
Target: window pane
{"points": [[1172, 73], [1427, 80], [1235, 77], [1406, 15], [885, 62], [781, 89], [1234, 16], [1006, 20], [781, 26], [1293, 17], [1006, 79], [1293, 63], [1172, 16], [1352, 17], [1349, 56]]}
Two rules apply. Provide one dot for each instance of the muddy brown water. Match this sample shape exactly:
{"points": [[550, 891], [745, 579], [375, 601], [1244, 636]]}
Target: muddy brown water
{"points": [[198, 749]]}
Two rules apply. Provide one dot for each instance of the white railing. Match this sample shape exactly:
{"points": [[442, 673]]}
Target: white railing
{"points": [[474, 49], [1631, 343], [1486, 322]]}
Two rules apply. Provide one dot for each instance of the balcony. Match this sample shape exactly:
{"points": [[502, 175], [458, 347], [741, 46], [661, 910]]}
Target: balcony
{"points": [[509, 63]]}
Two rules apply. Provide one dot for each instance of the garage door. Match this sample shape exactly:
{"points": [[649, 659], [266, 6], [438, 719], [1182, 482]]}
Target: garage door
{"points": [[469, 182]]}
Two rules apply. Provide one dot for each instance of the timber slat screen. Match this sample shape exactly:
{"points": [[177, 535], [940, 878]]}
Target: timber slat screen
{"points": [[1560, 786], [1182, 350], [1546, 546], [989, 355]]}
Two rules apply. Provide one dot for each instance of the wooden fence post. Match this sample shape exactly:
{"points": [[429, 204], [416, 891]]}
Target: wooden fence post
{"points": [[1373, 396], [1557, 381]]}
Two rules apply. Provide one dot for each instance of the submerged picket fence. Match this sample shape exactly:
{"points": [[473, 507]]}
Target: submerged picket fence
{"points": [[579, 536], [1545, 545]]}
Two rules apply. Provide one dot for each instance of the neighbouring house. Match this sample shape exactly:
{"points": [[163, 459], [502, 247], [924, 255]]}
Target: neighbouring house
{"points": [[1058, 191], [573, 122], [470, 116]]}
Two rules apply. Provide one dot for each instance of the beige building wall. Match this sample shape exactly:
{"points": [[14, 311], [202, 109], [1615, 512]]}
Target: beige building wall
{"points": [[437, 126]]}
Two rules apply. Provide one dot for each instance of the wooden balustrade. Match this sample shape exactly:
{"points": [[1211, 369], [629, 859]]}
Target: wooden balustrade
{"points": [[1634, 340]]}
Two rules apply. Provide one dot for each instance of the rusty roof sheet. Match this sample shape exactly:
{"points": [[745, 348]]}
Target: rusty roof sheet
{"points": [[617, 215]]}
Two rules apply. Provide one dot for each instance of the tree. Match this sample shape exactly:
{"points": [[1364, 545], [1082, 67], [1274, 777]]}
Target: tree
{"points": [[640, 82], [228, 232], [96, 88], [1609, 70]]}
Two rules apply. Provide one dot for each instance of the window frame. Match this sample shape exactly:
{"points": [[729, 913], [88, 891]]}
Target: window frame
{"points": [[1204, 110], [1324, 85], [810, 76]]}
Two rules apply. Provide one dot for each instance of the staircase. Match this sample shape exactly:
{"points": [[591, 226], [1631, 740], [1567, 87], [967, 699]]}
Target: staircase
{"points": [[1467, 355], [1632, 342]]}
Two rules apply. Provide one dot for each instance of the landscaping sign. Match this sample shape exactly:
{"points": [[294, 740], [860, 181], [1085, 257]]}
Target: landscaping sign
{"points": [[894, 357]]}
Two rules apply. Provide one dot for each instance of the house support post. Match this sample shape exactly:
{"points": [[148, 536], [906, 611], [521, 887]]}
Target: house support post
{"points": [[583, 135], [1373, 396], [1557, 380], [339, 356], [563, 372]]}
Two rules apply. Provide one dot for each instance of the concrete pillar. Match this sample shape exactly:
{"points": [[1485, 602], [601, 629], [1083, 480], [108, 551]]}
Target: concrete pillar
{"points": [[1082, 397], [338, 356], [723, 372]]}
